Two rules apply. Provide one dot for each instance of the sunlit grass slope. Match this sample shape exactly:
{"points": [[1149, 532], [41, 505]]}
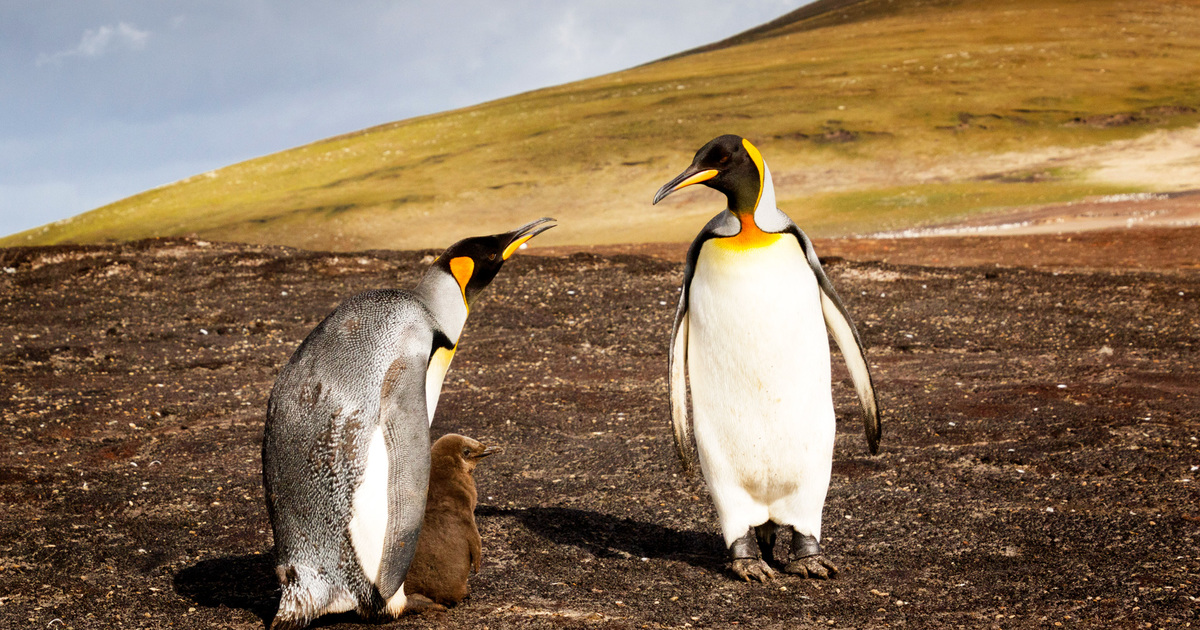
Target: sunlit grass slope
{"points": [[873, 115]]}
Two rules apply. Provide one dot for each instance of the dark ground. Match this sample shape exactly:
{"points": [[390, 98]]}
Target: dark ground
{"points": [[1038, 466]]}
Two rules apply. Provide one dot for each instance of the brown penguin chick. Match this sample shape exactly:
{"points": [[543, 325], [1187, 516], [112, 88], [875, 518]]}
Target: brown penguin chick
{"points": [[449, 546]]}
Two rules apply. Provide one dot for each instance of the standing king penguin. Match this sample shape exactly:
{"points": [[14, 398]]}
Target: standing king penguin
{"points": [[750, 340], [346, 445]]}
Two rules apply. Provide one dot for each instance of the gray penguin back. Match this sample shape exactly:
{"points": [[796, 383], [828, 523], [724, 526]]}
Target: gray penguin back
{"points": [[363, 365]]}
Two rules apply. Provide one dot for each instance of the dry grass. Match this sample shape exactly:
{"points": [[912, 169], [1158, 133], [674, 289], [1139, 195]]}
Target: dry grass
{"points": [[880, 115]]}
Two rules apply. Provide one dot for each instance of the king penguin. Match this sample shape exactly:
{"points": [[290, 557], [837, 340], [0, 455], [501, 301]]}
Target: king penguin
{"points": [[450, 546], [346, 445], [750, 341]]}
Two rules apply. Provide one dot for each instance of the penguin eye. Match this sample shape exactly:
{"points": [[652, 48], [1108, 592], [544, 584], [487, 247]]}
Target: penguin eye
{"points": [[491, 257], [724, 160], [466, 452]]}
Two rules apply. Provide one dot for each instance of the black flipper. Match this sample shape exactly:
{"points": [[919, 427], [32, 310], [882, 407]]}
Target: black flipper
{"points": [[681, 422], [841, 328], [405, 421]]}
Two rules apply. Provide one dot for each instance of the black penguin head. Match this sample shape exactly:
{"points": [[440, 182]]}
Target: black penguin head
{"points": [[460, 451], [729, 164], [475, 261]]}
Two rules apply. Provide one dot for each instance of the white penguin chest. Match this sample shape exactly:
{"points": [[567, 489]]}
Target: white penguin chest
{"points": [[758, 351], [758, 309]]}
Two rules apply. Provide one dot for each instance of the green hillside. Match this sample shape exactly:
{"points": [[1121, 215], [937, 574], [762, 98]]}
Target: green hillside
{"points": [[874, 114]]}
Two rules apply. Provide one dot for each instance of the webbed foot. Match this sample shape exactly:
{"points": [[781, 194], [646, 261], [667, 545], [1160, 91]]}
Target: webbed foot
{"points": [[806, 559], [755, 568], [747, 561], [418, 604], [817, 566]]}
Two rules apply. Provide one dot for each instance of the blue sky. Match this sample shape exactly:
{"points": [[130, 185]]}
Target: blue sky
{"points": [[100, 100]]}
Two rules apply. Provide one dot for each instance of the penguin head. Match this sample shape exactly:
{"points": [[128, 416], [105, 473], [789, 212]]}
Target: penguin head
{"points": [[475, 261], [460, 451], [729, 164]]}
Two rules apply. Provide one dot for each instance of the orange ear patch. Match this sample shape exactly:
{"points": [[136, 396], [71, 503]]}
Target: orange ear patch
{"points": [[462, 267]]}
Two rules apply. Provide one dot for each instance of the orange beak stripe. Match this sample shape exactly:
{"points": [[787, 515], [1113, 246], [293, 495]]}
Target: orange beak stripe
{"points": [[514, 246], [702, 176]]}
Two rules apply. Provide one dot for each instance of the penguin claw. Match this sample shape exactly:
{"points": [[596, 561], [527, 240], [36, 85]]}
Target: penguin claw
{"points": [[812, 566], [747, 568]]}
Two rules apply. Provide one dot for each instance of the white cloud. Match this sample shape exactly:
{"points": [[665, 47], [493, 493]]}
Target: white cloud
{"points": [[571, 39], [96, 42]]}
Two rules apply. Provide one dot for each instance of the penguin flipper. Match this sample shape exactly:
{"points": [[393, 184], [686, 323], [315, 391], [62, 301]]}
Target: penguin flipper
{"points": [[685, 445], [404, 418], [475, 547], [680, 421], [841, 328]]}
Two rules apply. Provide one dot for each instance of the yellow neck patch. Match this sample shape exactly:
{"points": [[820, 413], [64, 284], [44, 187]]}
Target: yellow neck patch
{"points": [[462, 268], [750, 236]]}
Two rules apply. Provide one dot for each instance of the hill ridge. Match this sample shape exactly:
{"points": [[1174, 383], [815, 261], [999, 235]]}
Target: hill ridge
{"points": [[883, 118]]}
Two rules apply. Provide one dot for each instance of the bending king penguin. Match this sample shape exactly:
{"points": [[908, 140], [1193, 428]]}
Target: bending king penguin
{"points": [[750, 340], [346, 445]]}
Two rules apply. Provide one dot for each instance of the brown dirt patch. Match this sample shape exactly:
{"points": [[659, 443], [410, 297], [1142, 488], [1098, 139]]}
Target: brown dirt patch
{"points": [[1038, 463]]}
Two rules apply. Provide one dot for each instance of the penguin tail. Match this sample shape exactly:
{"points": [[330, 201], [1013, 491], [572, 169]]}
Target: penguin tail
{"points": [[305, 596]]}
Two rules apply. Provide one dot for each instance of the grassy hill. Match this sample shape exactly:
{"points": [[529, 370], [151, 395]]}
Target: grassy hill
{"points": [[873, 114]]}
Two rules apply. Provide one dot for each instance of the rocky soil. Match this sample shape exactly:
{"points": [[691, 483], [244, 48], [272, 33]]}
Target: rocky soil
{"points": [[1038, 467]]}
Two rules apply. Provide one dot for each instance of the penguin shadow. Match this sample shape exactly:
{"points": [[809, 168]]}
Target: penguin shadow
{"points": [[606, 536], [245, 582]]}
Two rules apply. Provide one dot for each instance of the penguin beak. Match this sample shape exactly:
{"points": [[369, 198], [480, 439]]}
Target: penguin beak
{"points": [[691, 175], [517, 237], [491, 450]]}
